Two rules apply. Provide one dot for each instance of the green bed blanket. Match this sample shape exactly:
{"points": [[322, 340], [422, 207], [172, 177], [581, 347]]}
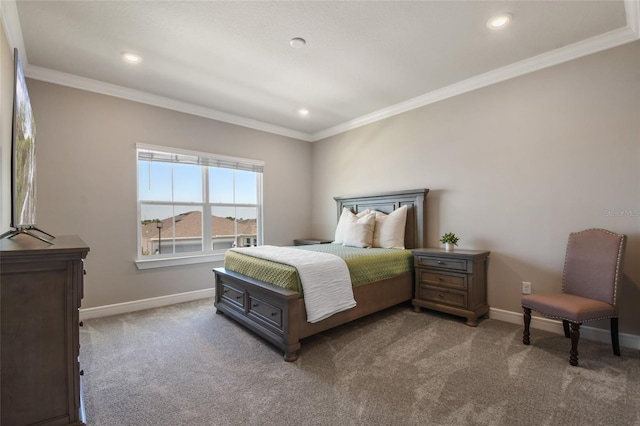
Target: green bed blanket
{"points": [[365, 265]]}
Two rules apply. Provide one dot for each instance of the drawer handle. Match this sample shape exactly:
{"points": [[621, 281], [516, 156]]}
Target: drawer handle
{"points": [[273, 314], [82, 372], [239, 297], [81, 324], [441, 295], [440, 279], [440, 262], [255, 305], [225, 291]]}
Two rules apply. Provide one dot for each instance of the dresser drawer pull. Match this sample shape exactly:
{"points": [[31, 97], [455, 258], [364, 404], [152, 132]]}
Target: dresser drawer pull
{"points": [[81, 324], [255, 305], [440, 279], [440, 262], [82, 372], [239, 297], [273, 314], [225, 291]]}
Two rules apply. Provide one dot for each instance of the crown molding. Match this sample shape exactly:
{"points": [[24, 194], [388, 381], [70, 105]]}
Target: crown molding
{"points": [[12, 28], [77, 82], [632, 8], [564, 54]]}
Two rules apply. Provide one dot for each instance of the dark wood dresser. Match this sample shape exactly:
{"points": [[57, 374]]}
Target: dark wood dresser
{"points": [[41, 288], [452, 282]]}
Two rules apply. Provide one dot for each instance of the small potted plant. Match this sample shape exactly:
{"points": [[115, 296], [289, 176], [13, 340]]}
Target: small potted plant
{"points": [[449, 240]]}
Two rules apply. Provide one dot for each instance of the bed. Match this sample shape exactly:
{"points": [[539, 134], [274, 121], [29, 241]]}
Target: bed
{"points": [[278, 314]]}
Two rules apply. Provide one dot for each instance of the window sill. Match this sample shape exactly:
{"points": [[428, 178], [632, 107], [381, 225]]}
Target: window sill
{"points": [[178, 261]]}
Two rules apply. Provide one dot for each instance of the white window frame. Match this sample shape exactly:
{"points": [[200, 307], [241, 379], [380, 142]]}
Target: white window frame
{"points": [[205, 160]]}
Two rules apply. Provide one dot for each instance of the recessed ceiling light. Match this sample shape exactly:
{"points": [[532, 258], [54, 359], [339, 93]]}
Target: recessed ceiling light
{"points": [[132, 58], [499, 21], [303, 112], [297, 42]]}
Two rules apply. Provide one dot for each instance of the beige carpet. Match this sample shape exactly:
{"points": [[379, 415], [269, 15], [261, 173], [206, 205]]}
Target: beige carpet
{"points": [[185, 365]]}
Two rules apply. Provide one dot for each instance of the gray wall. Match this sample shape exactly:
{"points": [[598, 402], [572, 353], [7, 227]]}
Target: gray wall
{"points": [[513, 168], [86, 183]]}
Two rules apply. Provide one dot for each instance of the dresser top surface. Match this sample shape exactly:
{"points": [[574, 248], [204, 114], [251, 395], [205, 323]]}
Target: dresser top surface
{"points": [[22, 244]]}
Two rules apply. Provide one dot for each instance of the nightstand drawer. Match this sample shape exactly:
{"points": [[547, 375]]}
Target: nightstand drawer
{"points": [[441, 263], [442, 295], [456, 281]]}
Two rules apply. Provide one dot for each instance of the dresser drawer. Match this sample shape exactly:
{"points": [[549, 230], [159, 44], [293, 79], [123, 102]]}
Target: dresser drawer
{"points": [[233, 295], [441, 263], [443, 295], [434, 277]]}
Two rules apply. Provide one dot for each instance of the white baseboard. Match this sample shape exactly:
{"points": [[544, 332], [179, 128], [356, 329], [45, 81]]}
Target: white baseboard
{"points": [[139, 305], [627, 340]]}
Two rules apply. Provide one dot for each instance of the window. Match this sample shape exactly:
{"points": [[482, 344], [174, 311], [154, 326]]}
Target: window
{"points": [[193, 205]]}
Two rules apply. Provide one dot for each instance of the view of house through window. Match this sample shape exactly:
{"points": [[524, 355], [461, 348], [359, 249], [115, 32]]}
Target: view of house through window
{"points": [[191, 203]]}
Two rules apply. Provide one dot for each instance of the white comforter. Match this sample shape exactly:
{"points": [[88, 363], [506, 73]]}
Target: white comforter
{"points": [[325, 278]]}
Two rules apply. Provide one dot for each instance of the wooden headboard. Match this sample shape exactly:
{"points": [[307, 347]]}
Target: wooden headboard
{"points": [[416, 201]]}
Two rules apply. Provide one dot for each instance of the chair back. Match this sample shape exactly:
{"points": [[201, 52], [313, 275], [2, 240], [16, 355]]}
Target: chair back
{"points": [[593, 264]]}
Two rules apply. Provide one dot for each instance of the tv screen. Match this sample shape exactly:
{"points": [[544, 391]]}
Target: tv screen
{"points": [[23, 162]]}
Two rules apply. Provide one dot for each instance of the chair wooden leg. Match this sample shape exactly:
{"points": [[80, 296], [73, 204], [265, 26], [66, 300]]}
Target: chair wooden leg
{"points": [[527, 323], [565, 325], [614, 337], [575, 337]]}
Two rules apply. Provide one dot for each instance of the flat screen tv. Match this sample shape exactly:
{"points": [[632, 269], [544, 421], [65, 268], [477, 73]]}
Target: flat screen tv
{"points": [[23, 160]]}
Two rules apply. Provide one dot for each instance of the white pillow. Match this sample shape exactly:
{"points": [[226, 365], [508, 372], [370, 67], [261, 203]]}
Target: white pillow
{"points": [[345, 216], [358, 232], [389, 229]]}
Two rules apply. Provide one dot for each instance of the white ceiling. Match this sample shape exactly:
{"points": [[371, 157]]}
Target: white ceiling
{"points": [[363, 61]]}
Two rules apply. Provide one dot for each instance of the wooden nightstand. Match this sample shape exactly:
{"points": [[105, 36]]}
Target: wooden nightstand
{"points": [[310, 241], [452, 282]]}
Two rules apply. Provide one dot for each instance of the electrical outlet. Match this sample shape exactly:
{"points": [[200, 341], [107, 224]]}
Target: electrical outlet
{"points": [[526, 287]]}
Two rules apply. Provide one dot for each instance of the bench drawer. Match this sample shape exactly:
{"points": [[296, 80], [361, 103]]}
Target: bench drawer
{"points": [[233, 296], [272, 315]]}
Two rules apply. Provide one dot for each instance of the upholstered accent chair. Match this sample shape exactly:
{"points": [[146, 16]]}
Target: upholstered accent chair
{"points": [[592, 269]]}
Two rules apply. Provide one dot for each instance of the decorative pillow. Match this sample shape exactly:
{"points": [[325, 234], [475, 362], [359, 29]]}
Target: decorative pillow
{"points": [[389, 229], [346, 216], [358, 232]]}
